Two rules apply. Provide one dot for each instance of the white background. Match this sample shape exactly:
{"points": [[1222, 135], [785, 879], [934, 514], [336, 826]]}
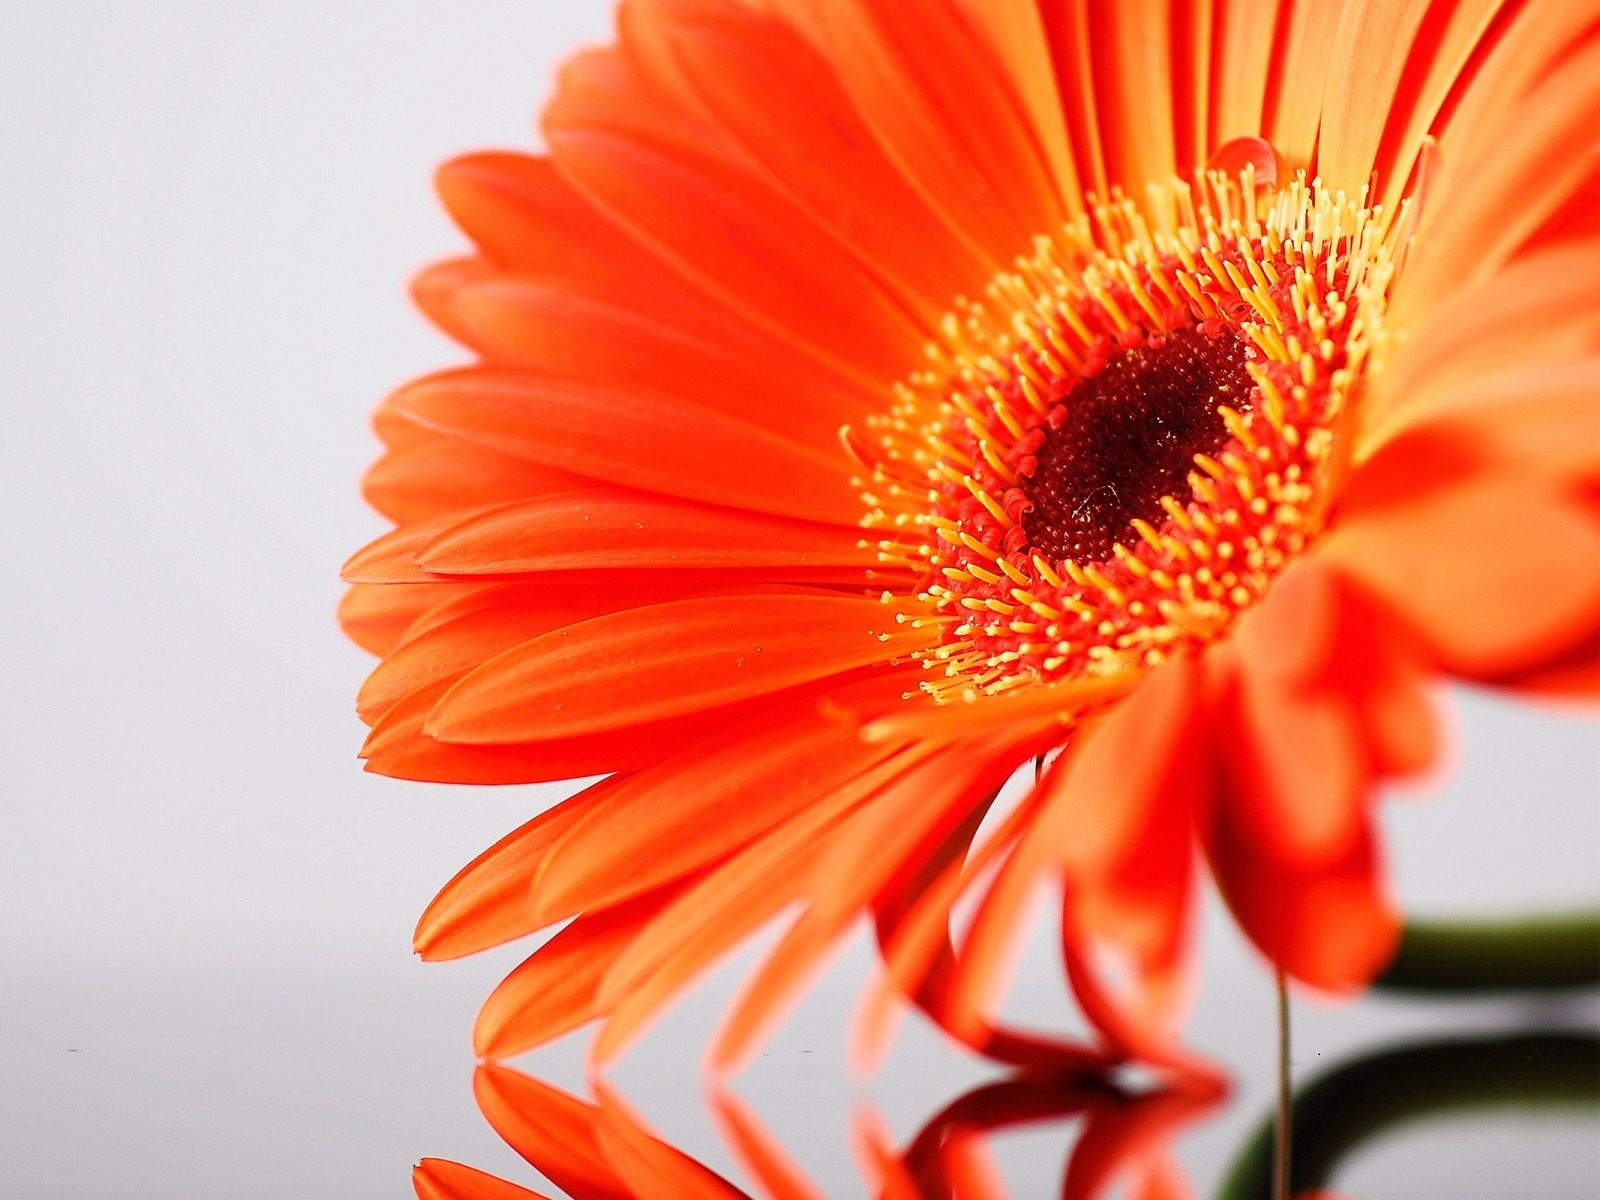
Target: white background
{"points": [[207, 215]]}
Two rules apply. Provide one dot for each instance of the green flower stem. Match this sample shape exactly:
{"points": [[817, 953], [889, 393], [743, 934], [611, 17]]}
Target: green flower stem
{"points": [[1561, 951], [1349, 1105]]}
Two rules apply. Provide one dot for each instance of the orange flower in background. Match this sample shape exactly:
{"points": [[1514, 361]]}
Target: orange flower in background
{"points": [[1206, 380]]}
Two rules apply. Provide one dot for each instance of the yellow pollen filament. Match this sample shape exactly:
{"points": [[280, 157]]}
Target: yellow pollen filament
{"points": [[987, 576], [1112, 591], [1176, 512], [1147, 532], [995, 461], [1015, 575], [973, 544], [1129, 561], [1046, 572], [1201, 300], [1073, 605], [1070, 315], [1175, 547]]}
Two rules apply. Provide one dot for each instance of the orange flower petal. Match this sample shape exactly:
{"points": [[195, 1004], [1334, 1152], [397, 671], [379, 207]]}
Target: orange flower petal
{"points": [[553, 991], [468, 626], [1495, 575], [732, 901], [449, 650], [1067, 30], [1014, 29], [398, 747], [1535, 39], [436, 288], [662, 661], [486, 904], [1103, 795], [1367, 58], [374, 616], [915, 812], [525, 217], [1537, 313], [515, 321], [758, 1152], [556, 1133], [435, 474], [440, 1179], [1243, 58], [651, 1169], [912, 915], [1300, 74], [1331, 926], [743, 242], [1574, 675], [603, 530], [700, 805], [635, 440], [392, 558], [1117, 817], [522, 214], [914, 933], [977, 159], [1132, 52], [1295, 762], [1497, 195], [1440, 58], [1542, 421], [787, 108]]}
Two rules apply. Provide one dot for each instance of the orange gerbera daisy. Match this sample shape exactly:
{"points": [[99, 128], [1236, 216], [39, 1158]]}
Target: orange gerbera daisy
{"points": [[1207, 378]]}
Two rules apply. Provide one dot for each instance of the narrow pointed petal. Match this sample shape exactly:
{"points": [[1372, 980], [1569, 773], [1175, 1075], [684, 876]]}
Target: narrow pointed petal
{"points": [[787, 108], [731, 902], [881, 841], [485, 904], [634, 439], [1368, 56], [708, 801], [376, 616], [604, 530], [553, 991], [440, 1179], [756, 1150], [397, 746], [556, 1133], [663, 661], [651, 1169]]}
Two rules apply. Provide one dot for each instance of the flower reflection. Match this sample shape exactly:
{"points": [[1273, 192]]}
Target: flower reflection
{"points": [[1121, 1140], [601, 1150]]}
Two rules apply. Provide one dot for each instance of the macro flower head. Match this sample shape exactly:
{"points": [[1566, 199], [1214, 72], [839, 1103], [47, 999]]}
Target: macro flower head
{"points": [[871, 398]]}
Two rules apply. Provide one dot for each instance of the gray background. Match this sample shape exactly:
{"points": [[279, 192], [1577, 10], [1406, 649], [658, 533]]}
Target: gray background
{"points": [[207, 215]]}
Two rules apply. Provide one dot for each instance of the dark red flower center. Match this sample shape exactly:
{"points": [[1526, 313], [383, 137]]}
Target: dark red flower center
{"points": [[1129, 436]]}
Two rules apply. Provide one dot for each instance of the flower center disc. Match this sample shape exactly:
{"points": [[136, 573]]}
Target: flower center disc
{"points": [[1120, 447], [1130, 435]]}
